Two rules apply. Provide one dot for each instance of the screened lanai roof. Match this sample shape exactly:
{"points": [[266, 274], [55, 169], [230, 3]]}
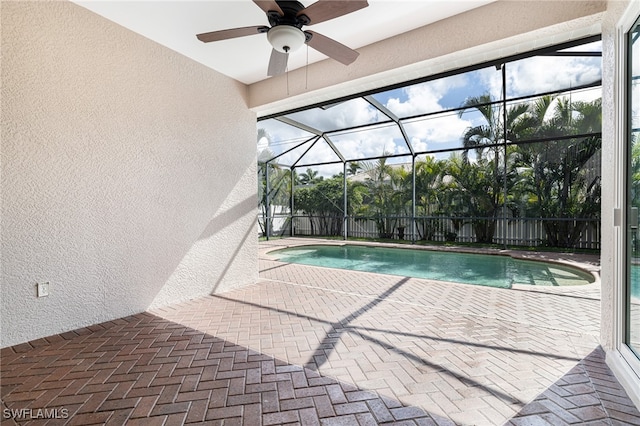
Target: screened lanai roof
{"points": [[428, 116]]}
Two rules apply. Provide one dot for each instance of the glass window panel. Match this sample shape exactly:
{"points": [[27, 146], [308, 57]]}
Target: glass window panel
{"points": [[319, 201], [634, 89], [311, 175], [355, 112], [370, 142], [296, 150], [544, 74], [319, 153], [632, 300], [276, 137], [442, 94], [555, 173], [448, 130], [559, 183], [385, 198], [275, 217], [572, 113]]}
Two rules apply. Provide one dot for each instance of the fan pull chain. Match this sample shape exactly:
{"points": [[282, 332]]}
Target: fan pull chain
{"points": [[306, 72]]}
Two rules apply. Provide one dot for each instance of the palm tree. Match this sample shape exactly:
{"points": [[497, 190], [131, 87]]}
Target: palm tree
{"points": [[265, 154], [488, 139], [429, 173], [386, 196], [353, 168], [563, 175], [475, 194], [309, 177]]}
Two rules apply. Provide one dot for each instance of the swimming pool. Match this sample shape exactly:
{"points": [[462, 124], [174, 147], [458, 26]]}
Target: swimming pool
{"points": [[466, 268], [635, 281]]}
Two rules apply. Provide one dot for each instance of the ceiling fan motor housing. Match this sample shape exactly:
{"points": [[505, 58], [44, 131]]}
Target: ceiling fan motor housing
{"points": [[286, 33], [290, 10]]}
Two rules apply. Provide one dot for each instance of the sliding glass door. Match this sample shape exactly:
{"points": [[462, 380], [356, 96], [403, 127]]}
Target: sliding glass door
{"points": [[632, 296]]}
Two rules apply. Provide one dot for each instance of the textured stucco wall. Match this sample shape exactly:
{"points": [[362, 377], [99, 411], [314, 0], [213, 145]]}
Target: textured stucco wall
{"points": [[128, 173], [502, 28]]}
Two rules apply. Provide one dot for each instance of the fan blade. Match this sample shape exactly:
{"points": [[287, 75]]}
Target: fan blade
{"points": [[268, 6], [332, 48], [323, 10], [232, 33], [277, 63]]}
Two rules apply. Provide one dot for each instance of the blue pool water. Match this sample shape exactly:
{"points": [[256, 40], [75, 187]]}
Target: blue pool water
{"points": [[478, 269], [635, 281]]}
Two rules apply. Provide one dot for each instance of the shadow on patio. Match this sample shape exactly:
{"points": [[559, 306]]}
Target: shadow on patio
{"points": [[146, 370]]}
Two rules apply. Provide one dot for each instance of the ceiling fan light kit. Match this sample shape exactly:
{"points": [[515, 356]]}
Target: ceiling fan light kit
{"points": [[286, 38], [287, 18]]}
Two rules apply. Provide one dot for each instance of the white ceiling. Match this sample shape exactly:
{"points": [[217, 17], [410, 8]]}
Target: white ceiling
{"points": [[175, 24]]}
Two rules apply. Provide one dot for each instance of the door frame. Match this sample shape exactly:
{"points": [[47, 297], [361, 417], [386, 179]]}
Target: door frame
{"points": [[623, 362]]}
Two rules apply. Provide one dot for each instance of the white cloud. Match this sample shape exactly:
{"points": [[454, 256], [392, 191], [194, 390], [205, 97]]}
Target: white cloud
{"points": [[438, 130], [424, 98], [345, 114], [370, 144], [418, 144], [263, 143], [549, 73]]}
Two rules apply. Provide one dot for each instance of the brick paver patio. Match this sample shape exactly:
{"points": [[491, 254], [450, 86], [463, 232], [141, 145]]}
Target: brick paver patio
{"points": [[310, 346]]}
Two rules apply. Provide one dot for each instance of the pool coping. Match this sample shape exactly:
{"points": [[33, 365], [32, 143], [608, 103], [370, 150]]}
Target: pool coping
{"points": [[590, 264]]}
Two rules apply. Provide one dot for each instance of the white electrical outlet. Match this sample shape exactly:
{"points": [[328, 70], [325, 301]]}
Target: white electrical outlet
{"points": [[43, 289]]}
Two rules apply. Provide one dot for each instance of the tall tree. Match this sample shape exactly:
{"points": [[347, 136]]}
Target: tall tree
{"points": [[429, 200], [309, 177], [477, 193], [487, 139], [386, 195], [323, 204], [564, 174], [353, 168]]}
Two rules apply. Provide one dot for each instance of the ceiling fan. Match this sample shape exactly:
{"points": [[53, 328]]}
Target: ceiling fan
{"points": [[285, 34]]}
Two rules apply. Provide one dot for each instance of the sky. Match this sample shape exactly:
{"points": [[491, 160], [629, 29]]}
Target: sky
{"points": [[442, 130]]}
